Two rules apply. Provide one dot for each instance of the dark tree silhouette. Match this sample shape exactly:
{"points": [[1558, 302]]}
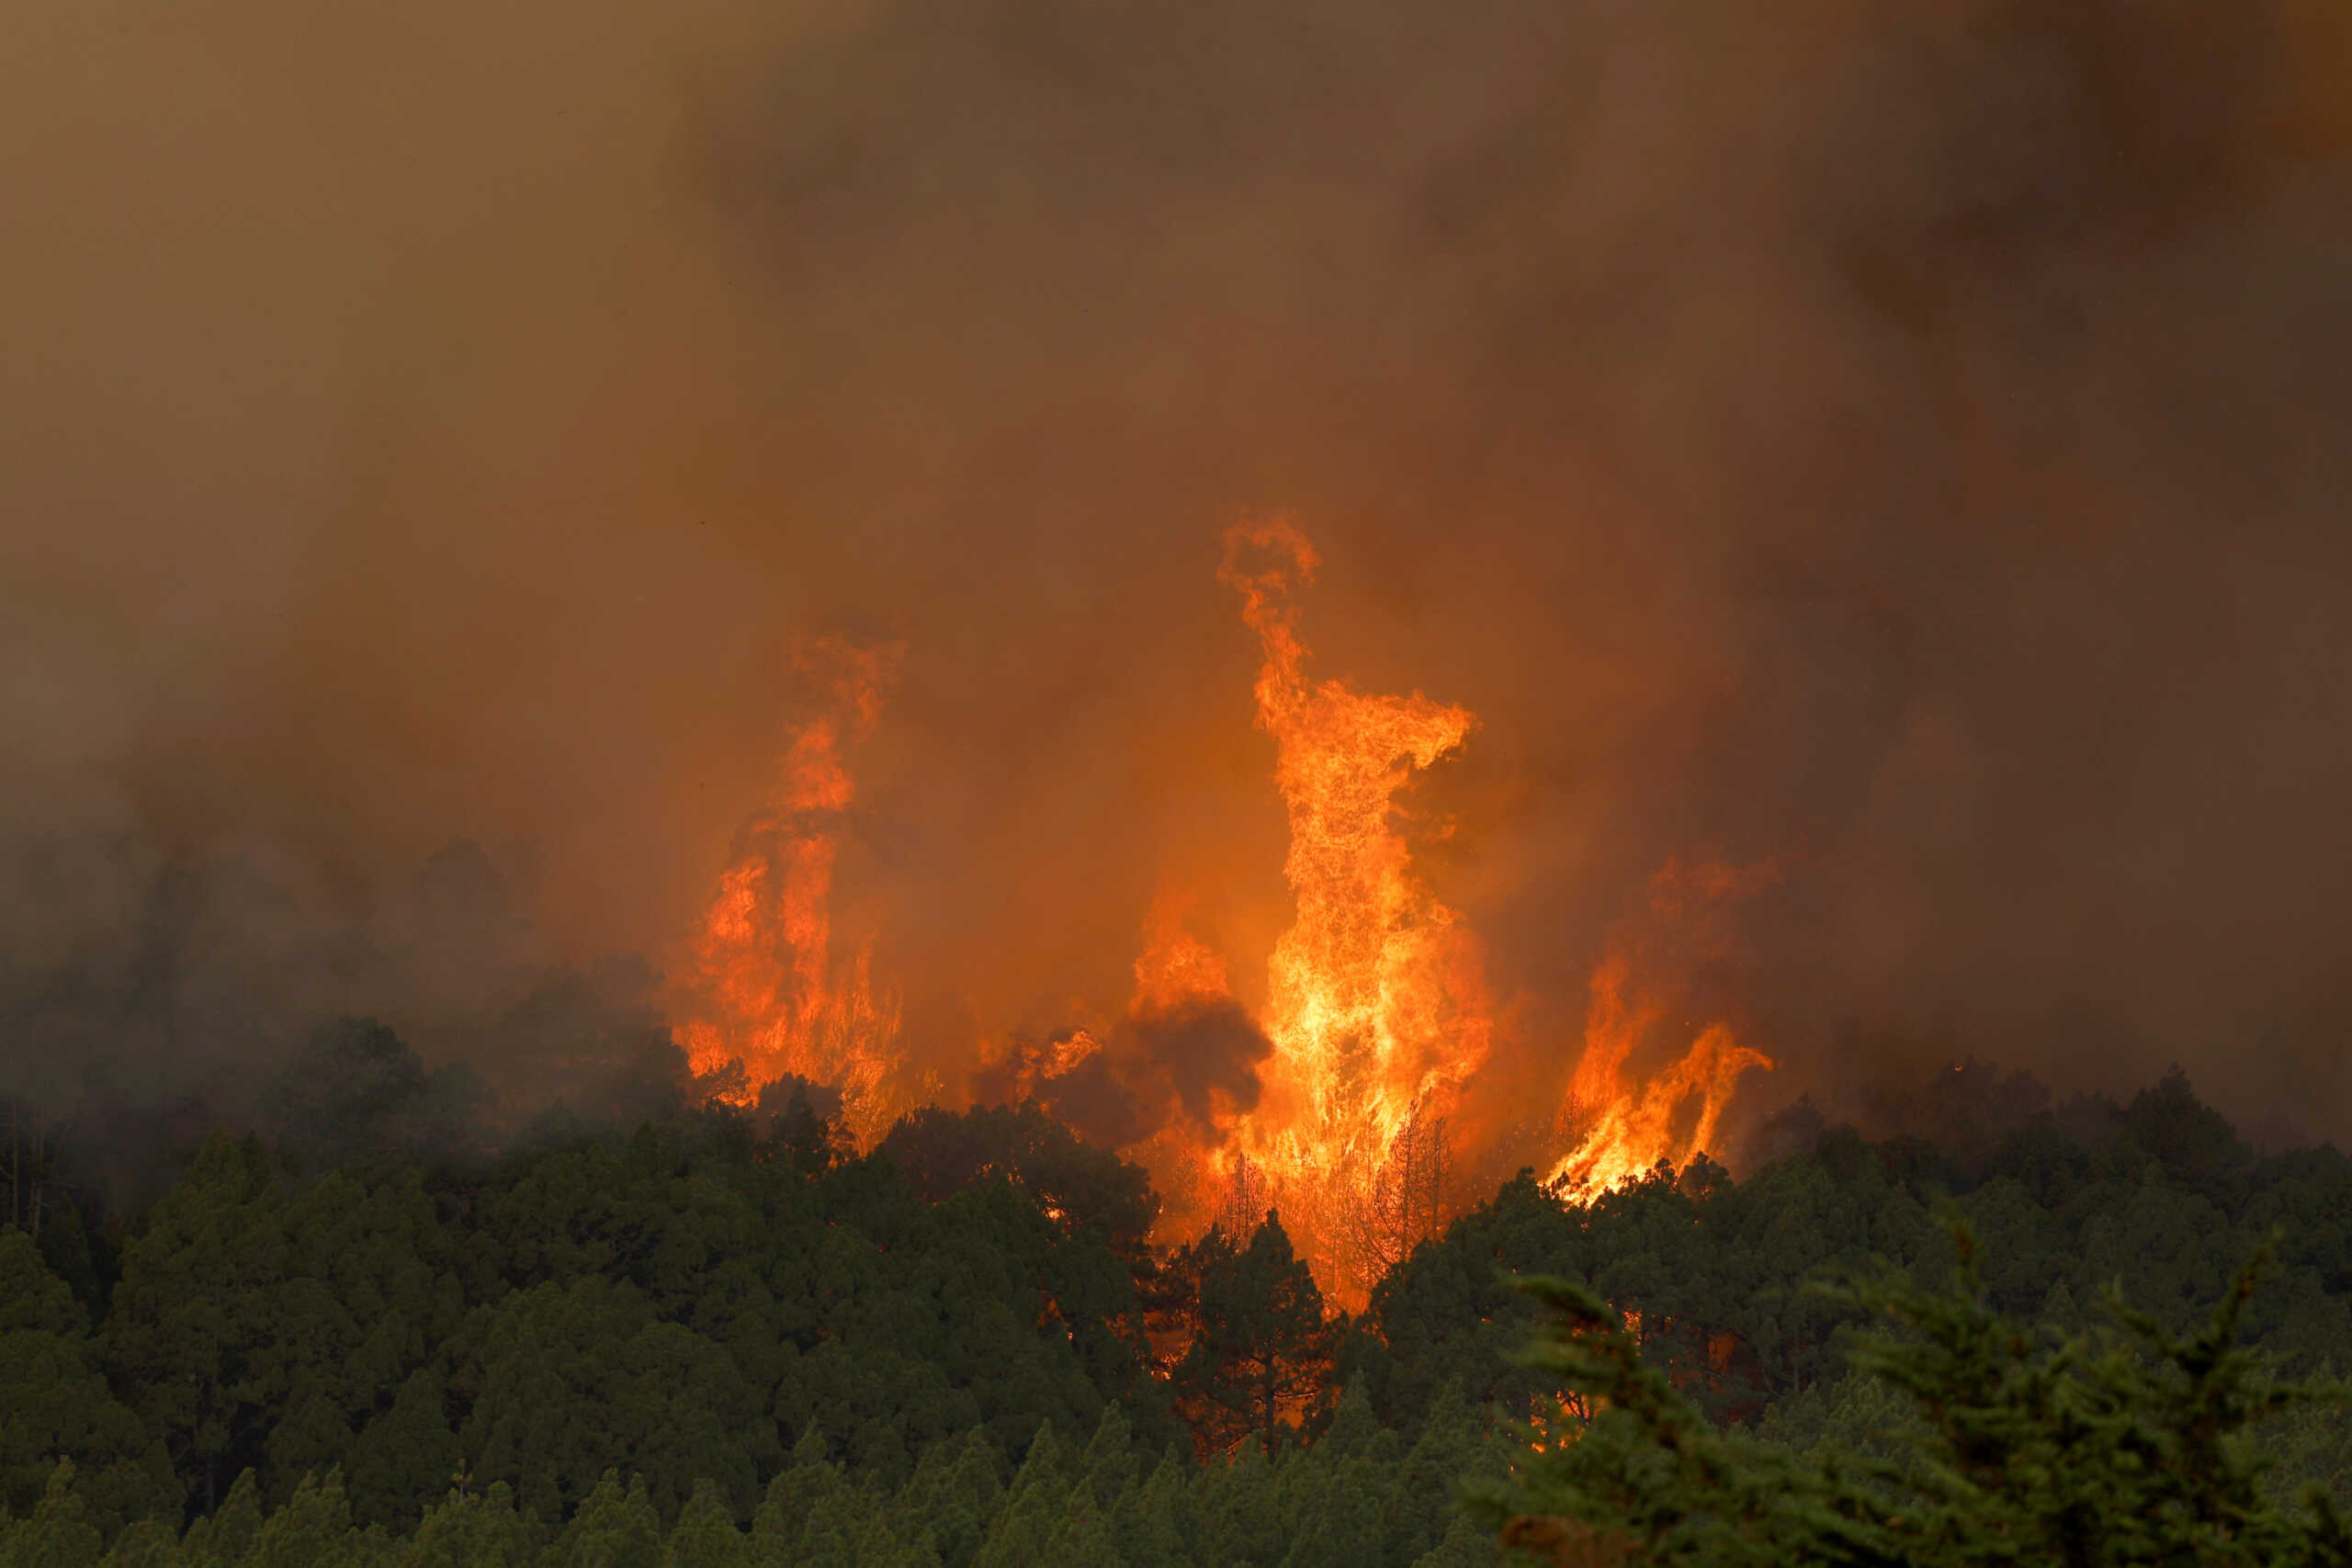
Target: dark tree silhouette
{"points": [[1261, 1354]]}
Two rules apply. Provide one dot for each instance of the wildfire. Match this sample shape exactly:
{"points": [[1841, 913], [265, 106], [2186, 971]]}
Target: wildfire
{"points": [[1622, 1130], [768, 995], [1334, 1103], [1629, 1130], [1378, 1005], [1376, 999]]}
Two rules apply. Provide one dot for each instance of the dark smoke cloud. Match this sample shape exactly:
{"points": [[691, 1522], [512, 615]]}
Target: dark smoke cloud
{"points": [[1908, 444], [140, 978], [1184, 1066]]}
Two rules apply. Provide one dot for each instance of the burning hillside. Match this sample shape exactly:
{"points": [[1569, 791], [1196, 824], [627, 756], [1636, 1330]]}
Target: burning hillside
{"points": [[1334, 1102], [1914, 435]]}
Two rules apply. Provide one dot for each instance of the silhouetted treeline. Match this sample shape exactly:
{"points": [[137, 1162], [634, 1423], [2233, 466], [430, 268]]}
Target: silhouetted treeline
{"points": [[2159, 1194], [964, 1347], [943, 1352]]}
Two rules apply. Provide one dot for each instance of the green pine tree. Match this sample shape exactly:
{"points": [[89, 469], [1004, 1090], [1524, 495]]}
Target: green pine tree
{"points": [[952, 1499], [1422, 1509], [150, 1544], [847, 1527], [1035, 1507], [705, 1535], [315, 1530], [59, 1534], [197, 1329], [613, 1528], [474, 1530], [1085, 1538], [405, 1457], [1242, 1521], [780, 1525], [1334, 1493], [1155, 1522], [1107, 1468], [223, 1538], [1466, 1544], [1261, 1353], [54, 1402]]}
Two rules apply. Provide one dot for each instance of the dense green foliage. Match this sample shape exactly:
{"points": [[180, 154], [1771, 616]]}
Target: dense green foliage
{"points": [[2159, 1195], [725, 1338], [1355, 1498], [666, 1306], [2116, 1448]]}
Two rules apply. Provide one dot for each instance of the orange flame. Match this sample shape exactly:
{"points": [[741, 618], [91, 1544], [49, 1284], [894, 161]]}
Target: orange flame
{"points": [[1376, 1001], [1624, 1129], [767, 991], [1378, 1012], [1175, 966], [1378, 1005]]}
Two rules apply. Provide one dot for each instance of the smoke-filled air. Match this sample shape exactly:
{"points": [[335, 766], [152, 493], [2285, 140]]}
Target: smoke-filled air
{"points": [[1345, 599], [1075, 783]]}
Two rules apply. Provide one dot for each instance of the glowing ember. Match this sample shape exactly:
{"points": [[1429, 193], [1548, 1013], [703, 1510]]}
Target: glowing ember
{"points": [[767, 992]]}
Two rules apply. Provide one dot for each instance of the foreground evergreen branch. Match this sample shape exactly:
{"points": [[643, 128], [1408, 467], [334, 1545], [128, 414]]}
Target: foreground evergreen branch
{"points": [[2122, 1448]]}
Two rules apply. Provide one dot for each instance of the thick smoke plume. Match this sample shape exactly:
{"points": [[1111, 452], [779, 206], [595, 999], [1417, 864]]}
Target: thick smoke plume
{"points": [[1907, 444], [1184, 1068]]}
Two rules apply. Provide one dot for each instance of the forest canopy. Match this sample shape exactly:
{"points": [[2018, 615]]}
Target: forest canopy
{"points": [[722, 1334]]}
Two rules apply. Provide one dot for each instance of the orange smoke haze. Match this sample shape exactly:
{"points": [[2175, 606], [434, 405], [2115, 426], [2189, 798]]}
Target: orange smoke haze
{"points": [[457, 451]]}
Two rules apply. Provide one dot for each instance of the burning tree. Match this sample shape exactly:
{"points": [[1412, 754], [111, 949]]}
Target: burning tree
{"points": [[1402, 1205], [1376, 996]]}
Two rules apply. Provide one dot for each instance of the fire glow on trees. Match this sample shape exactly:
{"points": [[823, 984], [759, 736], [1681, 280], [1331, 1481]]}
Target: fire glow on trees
{"points": [[1378, 1012]]}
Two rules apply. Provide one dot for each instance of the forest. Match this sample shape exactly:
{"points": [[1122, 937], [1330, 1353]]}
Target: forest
{"points": [[357, 1332]]}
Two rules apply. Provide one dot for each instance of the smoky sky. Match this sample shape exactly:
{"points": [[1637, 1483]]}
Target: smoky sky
{"points": [[1906, 444]]}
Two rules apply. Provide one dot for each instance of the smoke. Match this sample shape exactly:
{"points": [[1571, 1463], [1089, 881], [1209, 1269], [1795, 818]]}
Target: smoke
{"points": [[1906, 445], [1190, 1066]]}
